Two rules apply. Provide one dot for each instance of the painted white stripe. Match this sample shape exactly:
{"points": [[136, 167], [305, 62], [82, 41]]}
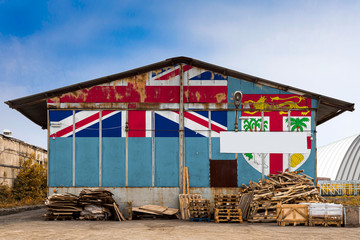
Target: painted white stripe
{"points": [[123, 123], [148, 123], [66, 122], [79, 116], [169, 115], [207, 83]]}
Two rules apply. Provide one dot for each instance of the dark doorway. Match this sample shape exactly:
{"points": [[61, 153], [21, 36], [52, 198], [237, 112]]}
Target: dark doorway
{"points": [[223, 173]]}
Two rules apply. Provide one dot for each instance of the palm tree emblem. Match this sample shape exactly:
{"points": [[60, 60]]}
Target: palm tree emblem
{"points": [[298, 124]]}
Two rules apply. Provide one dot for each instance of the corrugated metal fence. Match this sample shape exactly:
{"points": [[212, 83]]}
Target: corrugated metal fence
{"points": [[339, 188]]}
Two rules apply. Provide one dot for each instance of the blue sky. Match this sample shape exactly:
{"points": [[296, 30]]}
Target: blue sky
{"points": [[312, 45]]}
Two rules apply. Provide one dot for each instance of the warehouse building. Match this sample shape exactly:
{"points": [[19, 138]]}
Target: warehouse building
{"points": [[340, 160], [13, 152], [135, 131]]}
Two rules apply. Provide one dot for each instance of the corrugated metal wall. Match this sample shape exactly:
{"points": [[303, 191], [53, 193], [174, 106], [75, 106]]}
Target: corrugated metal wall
{"points": [[127, 131]]}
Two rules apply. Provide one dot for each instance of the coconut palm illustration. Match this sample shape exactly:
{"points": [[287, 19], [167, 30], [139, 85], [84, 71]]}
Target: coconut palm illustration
{"points": [[253, 125], [298, 124]]}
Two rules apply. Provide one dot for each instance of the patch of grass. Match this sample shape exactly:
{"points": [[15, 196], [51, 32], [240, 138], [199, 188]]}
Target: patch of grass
{"points": [[345, 200]]}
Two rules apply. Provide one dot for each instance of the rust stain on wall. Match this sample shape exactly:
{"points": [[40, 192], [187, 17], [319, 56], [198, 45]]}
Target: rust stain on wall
{"points": [[220, 97], [197, 94], [138, 83]]}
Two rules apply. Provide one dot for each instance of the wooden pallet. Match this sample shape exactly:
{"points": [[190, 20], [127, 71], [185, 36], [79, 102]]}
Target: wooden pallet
{"points": [[325, 221], [184, 200]]}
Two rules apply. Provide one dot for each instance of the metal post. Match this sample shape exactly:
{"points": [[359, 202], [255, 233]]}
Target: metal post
{"points": [[209, 112], [263, 154], [100, 147], [127, 149], [74, 122], [153, 147], [289, 155], [181, 129]]}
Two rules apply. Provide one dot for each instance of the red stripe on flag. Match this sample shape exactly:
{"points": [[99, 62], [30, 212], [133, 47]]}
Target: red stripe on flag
{"points": [[276, 163], [137, 123], [196, 119], [308, 142], [87, 120], [62, 132]]}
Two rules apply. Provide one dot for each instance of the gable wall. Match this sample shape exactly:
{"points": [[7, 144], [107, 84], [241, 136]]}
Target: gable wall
{"points": [[126, 131]]}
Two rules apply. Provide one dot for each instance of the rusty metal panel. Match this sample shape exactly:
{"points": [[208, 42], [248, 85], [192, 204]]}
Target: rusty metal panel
{"points": [[223, 173]]}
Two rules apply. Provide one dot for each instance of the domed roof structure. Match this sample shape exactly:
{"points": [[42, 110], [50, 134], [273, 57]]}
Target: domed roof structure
{"points": [[340, 160]]}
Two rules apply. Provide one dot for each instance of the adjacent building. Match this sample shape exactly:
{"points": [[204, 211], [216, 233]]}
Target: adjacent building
{"points": [[13, 152]]}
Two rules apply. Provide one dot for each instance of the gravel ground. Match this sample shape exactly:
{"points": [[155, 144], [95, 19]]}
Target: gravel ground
{"points": [[30, 225]]}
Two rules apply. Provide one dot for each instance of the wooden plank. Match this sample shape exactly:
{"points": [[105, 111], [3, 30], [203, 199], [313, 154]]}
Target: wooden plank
{"points": [[154, 208], [136, 209]]}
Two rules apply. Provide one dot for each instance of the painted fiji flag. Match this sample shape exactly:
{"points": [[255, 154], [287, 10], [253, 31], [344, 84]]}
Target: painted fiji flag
{"points": [[140, 123]]}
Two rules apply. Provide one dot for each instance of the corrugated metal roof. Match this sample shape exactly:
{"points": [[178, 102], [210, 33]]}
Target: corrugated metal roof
{"points": [[34, 106], [340, 160]]}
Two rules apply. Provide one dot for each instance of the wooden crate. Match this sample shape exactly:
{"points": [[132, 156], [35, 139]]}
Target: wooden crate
{"points": [[292, 214], [352, 216]]}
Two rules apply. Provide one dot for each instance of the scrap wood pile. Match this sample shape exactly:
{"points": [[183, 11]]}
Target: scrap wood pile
{"points": [[98, 204], [282, 188], [92, 204], [227, 208], [62, 207], [154, 211]]}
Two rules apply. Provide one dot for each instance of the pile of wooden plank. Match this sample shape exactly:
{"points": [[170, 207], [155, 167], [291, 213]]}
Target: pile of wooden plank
{"points": [[154, 211], [98, 204], [282, 188], [92, 204], [184, 200], [62, 207], [227, 208], [199, 210]]}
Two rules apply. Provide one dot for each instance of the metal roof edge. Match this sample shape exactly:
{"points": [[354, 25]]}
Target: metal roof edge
{"points": [[41, 97]]}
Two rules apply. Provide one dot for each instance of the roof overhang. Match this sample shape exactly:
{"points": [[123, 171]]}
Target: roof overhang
{"points": [[34, 106]]}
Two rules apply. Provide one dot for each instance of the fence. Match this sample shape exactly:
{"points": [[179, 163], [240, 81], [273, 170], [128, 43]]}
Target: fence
{"points": [[339, 188]]}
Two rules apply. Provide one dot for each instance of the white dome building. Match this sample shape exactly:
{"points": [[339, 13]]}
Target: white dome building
{"points": [[340, 160]]}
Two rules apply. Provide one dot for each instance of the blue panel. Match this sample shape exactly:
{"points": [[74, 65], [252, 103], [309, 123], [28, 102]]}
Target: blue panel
{"points": [[219, 117], [208, 75], [57, 115], [165, 127], [113, 162], [111, 126], [91, 131], [191, 133], [60, 162], [87, 162], [197, 159], [203, 113], [215, 151], [246, 172], [166, 162], [140, 162]]}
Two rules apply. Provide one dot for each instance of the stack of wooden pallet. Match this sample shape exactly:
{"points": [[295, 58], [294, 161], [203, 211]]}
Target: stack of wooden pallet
{"points": [[227, 208], [282, 188], [199, 210], [62, 207], [184, 200]]}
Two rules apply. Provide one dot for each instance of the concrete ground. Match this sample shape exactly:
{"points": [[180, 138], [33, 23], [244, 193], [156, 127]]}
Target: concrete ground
{"points": [[30, 225]]}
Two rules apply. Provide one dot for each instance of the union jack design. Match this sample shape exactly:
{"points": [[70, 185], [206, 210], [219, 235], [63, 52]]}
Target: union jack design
{"points": [[140, 123], [162, 86]]}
